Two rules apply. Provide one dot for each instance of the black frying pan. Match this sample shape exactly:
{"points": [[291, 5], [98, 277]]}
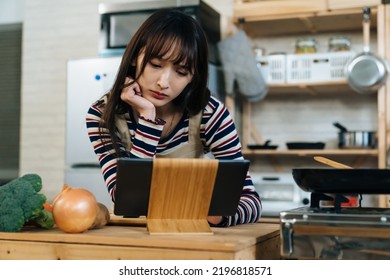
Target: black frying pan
{"points": [[346, 181]]}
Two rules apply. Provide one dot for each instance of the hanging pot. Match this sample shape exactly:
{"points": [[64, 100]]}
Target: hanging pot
{"points": [[366, 73], [358, 139]]}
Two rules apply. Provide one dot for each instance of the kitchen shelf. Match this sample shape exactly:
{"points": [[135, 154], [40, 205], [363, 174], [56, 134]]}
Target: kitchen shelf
{"points": [[311, 88], [352, 152], [257, 20]]}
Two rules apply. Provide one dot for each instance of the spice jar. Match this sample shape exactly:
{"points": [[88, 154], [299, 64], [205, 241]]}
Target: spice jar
{"points": [[307, 45], [339, 43]]}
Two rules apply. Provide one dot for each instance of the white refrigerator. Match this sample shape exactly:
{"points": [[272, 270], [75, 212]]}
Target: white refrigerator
{"points": [[87, 80]]}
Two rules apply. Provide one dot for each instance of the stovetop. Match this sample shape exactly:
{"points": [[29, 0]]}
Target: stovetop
{"points": [[359, 216], [334, 228], [336, 214]]}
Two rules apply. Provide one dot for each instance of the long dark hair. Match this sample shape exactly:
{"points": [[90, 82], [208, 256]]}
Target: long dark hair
{"points": [[155, 38]]}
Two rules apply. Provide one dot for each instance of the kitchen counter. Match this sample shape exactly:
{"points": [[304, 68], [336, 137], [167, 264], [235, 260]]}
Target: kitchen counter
{"points": [[129, 239]]}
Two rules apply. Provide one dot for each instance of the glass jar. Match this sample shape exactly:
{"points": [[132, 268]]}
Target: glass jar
{"points": [[258, 53], [306, 45], [339, 43]]}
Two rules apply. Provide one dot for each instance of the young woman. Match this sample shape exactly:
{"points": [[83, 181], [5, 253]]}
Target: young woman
{"points": [[160, 106]]}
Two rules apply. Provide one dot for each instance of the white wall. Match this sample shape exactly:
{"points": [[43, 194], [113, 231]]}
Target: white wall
{"points": [[53, 32], [11, 11]]}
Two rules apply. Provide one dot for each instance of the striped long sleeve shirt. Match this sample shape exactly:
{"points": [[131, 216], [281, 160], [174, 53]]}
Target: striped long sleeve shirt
{"points": [[218, 135]]}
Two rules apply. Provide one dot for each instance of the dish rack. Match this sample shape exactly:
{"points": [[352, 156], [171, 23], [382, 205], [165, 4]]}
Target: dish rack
{"points": [[303, 68]]}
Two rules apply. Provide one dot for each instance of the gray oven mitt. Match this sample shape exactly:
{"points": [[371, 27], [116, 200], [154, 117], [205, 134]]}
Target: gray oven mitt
{"points": [[239, 64]]}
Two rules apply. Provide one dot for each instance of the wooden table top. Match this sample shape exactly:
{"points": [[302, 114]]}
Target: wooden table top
{"points": [[132, 233]]}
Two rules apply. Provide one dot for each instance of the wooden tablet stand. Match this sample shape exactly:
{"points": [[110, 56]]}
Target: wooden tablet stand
{"points": [[180, 195]]}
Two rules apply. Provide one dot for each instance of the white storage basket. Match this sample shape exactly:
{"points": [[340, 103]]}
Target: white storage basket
{"points": [[273, 68], [317, 67]]}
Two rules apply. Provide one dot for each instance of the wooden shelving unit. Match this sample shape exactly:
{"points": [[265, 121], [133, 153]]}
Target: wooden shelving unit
{"points": [[275, 18], [278, 18]]}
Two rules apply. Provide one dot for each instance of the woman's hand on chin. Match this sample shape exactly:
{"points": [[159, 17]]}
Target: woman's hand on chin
{"points": [[132, 95]]}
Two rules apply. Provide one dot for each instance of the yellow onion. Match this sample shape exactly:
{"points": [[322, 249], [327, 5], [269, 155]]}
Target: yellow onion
{"points": [[75, 209]]}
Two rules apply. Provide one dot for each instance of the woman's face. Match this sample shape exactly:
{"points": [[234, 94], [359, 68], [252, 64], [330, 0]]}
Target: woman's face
{"points": [[162, 81]]}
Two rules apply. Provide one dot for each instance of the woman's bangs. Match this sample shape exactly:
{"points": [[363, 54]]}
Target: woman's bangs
{"points": [[173, 49]]}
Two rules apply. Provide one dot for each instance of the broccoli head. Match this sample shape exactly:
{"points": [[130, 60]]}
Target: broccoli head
{"points": [[35, 181], [20, 203], [11, 215]]}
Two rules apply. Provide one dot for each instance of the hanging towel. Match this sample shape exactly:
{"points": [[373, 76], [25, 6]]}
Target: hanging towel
{"points": [[239, 65]]}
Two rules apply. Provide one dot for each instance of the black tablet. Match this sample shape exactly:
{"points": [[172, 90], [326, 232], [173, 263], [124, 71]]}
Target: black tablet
{"points": [[134, 178]]}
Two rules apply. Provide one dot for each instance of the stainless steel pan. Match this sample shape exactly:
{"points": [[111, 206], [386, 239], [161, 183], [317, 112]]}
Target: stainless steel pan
{"points": [[366, 73]]}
